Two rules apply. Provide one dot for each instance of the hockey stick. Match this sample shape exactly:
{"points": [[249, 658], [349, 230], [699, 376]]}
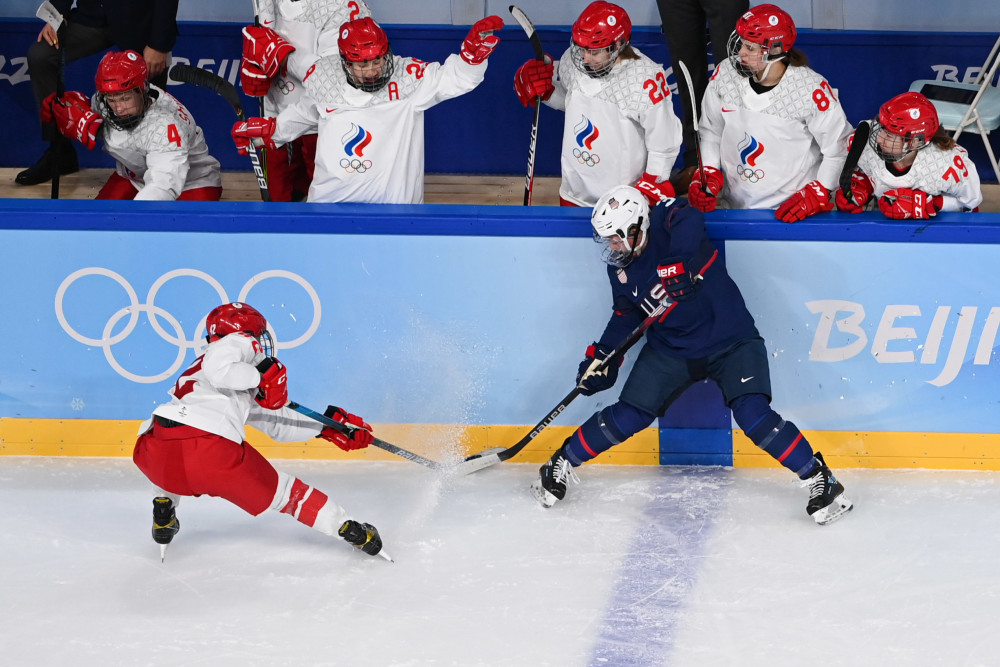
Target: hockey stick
{"points": [[48, 13], [206, 79], [260, 100], [463, 468], [536, 43], [858, 144], [496, 457], [694, 120]]}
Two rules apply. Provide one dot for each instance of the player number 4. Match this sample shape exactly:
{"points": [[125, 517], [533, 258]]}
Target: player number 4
{"points": [[821, 98], [658, 89], [173, 135], [953, 173]]}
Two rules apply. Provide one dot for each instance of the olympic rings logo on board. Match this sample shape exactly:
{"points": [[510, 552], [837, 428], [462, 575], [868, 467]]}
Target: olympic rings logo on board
{"points": [[107, 341]]}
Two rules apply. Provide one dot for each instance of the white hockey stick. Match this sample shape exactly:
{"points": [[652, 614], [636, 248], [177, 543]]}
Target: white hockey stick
{"points": [[694, 120], [536, 43]]}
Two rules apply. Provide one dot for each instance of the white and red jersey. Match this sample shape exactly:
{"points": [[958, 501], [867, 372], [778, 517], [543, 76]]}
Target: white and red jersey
{"points": [[165, 154], [216, 395], [312, 27], [371, 145], [617, 127], [770, 145], [949, 173]]}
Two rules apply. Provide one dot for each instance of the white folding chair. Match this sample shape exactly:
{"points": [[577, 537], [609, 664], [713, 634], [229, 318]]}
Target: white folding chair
{"points": [[968, 107]]}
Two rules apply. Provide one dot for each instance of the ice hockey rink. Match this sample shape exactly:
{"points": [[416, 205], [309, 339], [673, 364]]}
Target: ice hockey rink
{"points": [[640, 565]]}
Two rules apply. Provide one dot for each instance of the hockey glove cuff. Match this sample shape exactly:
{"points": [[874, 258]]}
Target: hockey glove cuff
{"points": [[589, 379], [481, 41], [358, 437], [906, 204], [272, 392], [703, 195], [812, 199], [533, 80]]}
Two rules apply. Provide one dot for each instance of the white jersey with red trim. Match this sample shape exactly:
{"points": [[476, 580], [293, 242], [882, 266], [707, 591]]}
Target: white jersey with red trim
{"points": [[165, 154], [617, 127], [216, 394], [371, 145], [770, 145], [949, 173], [312, 27]]}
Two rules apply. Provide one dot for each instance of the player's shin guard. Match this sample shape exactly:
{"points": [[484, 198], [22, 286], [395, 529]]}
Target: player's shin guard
{"points": [[308, 505], [605, 429], [779, 438]]}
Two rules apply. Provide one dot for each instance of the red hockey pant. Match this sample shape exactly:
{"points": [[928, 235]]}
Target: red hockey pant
{"points": [[290, 168], [190, 462], [119, 187]]}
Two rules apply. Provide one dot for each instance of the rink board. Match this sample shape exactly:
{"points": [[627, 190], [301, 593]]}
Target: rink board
{"points": [[454, 329]]}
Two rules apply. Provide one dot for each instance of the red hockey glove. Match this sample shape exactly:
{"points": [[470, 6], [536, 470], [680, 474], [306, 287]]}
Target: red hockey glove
{"points": [[905, 203], [533, 80], [861, 191], [592, 381], [655, 192], [705, 198], [249, 131], [359, 437], [255, 83], [675, 278], [810, 200], [481, 41], [272, 392], [266, 49], [73, 116]]}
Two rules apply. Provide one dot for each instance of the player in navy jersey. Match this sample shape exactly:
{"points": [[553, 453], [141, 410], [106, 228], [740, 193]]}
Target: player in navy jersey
{"points": [[706, 332]]}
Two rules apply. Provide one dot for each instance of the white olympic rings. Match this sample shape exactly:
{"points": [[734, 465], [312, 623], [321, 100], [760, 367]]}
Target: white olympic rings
{"points": [[132, 310]]}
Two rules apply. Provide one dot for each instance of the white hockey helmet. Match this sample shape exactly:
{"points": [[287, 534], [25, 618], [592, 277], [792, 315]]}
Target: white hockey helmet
{"points": [[621, 224]]}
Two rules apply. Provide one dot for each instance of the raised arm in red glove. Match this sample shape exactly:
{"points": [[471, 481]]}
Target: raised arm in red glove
{"points": [[264, 52], [481, 41]]}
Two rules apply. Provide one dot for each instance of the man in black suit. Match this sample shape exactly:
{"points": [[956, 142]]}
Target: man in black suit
{"points": [[148, 27]]}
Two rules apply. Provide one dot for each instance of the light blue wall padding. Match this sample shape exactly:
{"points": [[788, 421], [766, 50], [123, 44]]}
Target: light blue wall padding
{"points": [[479, 315]]}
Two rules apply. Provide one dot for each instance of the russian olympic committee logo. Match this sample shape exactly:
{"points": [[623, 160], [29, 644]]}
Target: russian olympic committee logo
{"points": [[355, 142], [750, 150], [107, 341], [586, 134]]}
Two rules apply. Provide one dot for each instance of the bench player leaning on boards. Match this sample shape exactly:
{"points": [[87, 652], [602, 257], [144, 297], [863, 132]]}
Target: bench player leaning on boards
{"points": [[707, 332], [160, 152], [368, 105], [911, 168]]}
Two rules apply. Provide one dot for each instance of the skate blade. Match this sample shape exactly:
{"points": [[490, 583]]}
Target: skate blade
{"points": [[386, 556], [835, 510], [541, 495], [163, 552]]}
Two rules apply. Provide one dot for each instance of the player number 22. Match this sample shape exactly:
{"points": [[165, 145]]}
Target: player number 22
{"points": [[658, 90]]}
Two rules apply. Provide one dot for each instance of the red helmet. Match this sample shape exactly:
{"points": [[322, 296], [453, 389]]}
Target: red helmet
{"points": [[770, 26], [602, 25], [119, 71], [906, 123], [234, 318], [363, 41]]}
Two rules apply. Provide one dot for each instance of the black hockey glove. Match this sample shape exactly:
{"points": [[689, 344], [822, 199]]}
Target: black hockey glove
{"points": [[364, 536], [592, 381], [676, 280]]}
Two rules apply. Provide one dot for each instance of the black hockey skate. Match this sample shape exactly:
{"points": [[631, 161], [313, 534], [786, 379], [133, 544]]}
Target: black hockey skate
{"points": [[165, 523], [550, 487], [364, 536], [826, 495]]}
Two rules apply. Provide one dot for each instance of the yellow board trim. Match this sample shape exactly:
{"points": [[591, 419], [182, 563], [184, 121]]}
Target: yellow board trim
{"points": [[97, 437], [842, 449]]}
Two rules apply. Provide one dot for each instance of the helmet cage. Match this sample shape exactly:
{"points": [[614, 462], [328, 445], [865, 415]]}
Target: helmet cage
{"points": [[767, 26], [577, 55], [388, 67], [893, 147], [905, 124], [769, 54], [117, 73], [623, 215]]}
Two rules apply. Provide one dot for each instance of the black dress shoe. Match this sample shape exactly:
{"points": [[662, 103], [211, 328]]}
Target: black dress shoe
{"points": [[42, 170]]}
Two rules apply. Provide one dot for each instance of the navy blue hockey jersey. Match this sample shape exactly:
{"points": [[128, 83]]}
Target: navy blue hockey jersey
{"points": [[712, 320]]}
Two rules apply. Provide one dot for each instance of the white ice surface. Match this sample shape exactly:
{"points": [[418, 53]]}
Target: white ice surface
{"points": [[639, 566]]}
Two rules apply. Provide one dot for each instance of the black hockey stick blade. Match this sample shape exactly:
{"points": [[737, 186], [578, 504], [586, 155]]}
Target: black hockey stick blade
{"points": [[214, 82], [494, 456], [529, 30], [858, 144], [463, 468]]}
